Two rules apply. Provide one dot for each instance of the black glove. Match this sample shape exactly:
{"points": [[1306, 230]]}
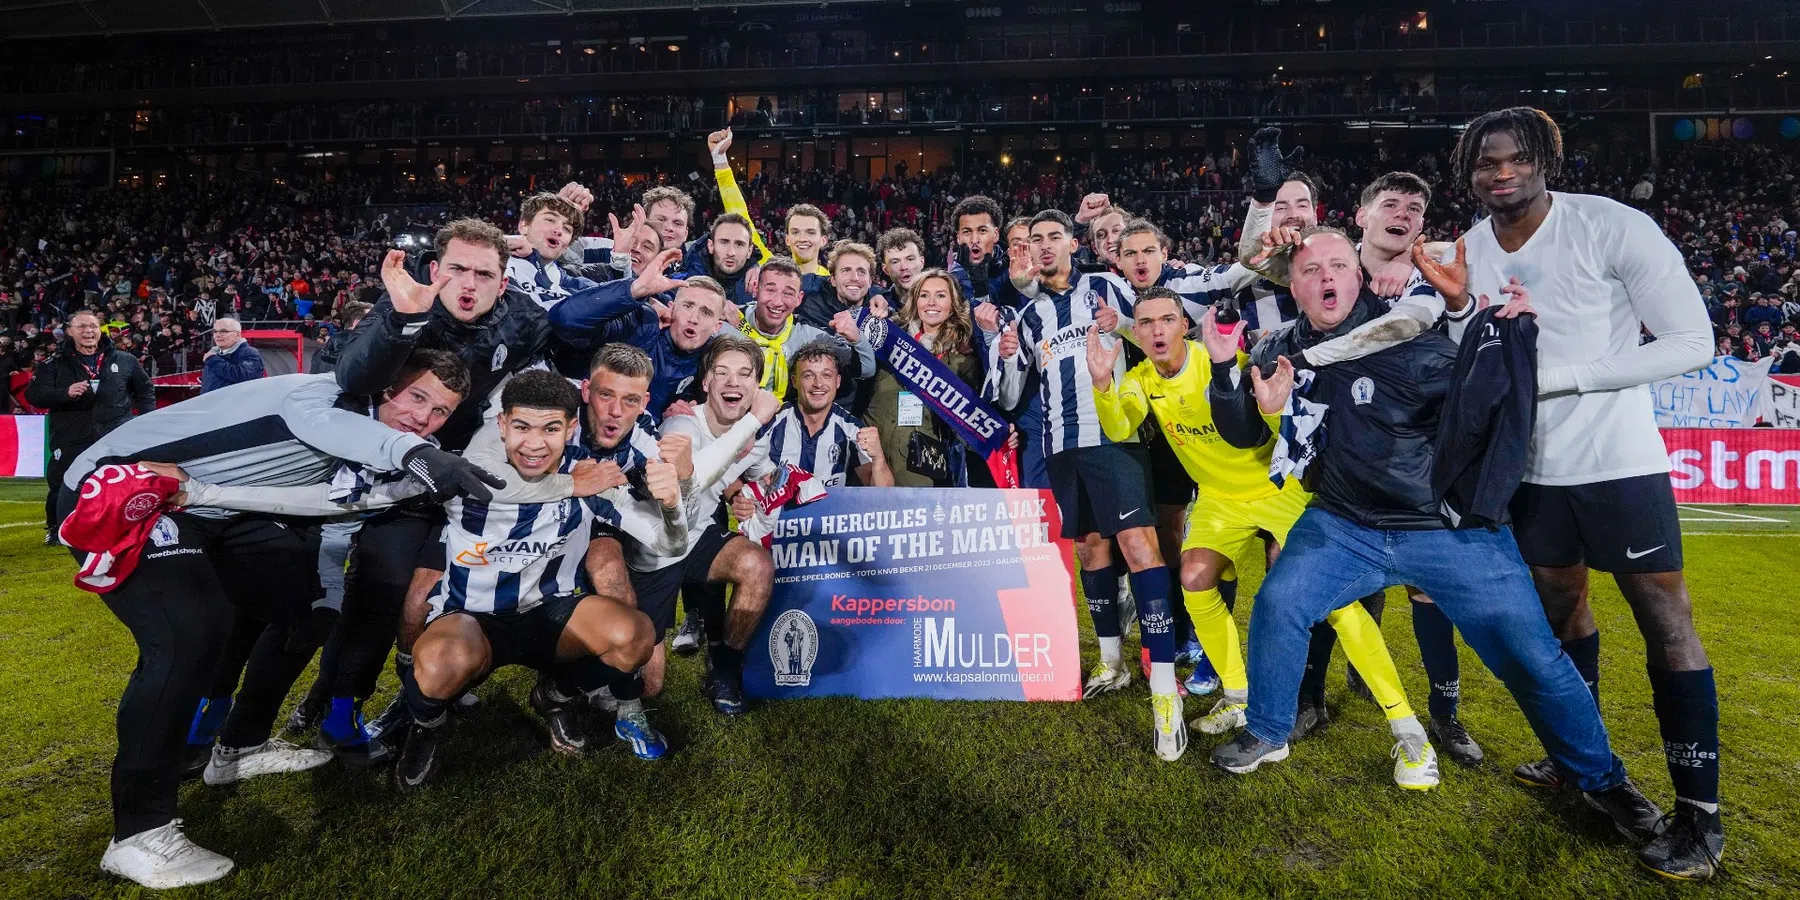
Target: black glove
{"points": [[1268, 168], [312, 634], [980, 273], [447, 475]]}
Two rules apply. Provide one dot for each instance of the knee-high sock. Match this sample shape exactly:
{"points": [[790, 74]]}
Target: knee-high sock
{"points": [[1218, 635], [1585, 651], [708, 600], [1184, 622], [1369, 654], [1102, 590], [1318, 657], [1437, 649], [1687, 714], [1157, 626], [429, 712]]}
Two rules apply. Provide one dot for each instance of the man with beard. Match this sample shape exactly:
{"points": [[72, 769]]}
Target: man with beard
{"points": [[724, 256], [1596, 492], [771, 325], [620, 313], [852, 276], [1101, 486]]}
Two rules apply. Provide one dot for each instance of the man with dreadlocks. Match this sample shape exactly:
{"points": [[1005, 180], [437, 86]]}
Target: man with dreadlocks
{"points": [[1596, 492]]}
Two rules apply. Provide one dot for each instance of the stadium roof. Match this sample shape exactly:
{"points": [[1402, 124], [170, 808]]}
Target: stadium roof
{"points": [[63, 18]]}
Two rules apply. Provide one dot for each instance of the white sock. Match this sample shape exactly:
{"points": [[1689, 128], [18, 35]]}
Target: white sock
{"points": [[1707, 807], [1109, 649], [1242, 696], [630, 707], [1407, 726], [1162, 678]]}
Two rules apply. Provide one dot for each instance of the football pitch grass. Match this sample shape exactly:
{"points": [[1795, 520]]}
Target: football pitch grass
{"points": [[840, 798]]}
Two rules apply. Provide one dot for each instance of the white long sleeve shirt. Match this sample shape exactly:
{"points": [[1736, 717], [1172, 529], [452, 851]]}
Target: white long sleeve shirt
{"points": [[1597, 271]]}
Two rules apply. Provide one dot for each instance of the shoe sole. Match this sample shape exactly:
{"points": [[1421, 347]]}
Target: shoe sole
{"points": [[1530, 783], [160, 885], [1276, 756], [1417, 787], [1676, 876], [1104, 689]]}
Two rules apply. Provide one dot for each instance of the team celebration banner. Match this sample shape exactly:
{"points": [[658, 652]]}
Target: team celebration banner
{"points": [[1734, 465], [1729, 393], [948, 594], [21, 446]]}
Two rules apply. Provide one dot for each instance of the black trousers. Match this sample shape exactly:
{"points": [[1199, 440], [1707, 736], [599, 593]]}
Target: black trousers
{"points": [[54, 470], [257, 647], [381, 567], [179, 605]]}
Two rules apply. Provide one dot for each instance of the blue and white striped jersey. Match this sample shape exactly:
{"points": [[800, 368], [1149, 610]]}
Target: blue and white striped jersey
{"points": [[1267, 305], [1053, 342], [828, 455], [543, 280], [1202, 286], [507, 557]]}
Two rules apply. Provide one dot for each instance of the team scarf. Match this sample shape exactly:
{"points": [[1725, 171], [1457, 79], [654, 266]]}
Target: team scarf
{"points": [[919, 371], [775, 370]]}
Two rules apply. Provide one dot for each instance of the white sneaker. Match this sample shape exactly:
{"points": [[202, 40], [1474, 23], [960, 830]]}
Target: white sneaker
{"points": [[1171, 738], [163, 858], [1105, 677], [1226, 716], [271, 757], [1415, 764]]}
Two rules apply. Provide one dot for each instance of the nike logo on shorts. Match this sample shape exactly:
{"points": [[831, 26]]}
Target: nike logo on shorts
{"points": [[1125, 515], [1631, 555]]}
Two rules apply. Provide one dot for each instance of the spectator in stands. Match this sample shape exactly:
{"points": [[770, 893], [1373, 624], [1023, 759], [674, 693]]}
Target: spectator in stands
{"points": [[1763, 311], [231, 359]]}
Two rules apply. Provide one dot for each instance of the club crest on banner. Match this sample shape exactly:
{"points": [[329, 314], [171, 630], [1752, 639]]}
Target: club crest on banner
{"points": [[793, 647]]}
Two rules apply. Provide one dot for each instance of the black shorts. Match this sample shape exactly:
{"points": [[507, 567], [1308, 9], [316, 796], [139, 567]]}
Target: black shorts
{"points": [[1168, 477], [656, 591], [1104, 489], [1627, 526], [526, 638]]}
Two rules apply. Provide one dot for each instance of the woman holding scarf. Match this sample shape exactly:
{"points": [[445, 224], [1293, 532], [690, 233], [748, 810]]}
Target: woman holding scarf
{"points": [[921, 450]]}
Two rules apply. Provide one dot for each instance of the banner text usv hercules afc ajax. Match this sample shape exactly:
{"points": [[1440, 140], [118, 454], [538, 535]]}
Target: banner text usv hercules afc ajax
{"points": [[950, 594]]}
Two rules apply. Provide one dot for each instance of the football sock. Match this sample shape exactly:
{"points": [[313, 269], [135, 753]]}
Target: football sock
{"points": [[1585, 651], [341, 725], [1218, 635], [1369, 654], [1102, 590], [1156, 626], [1318, 657], [1687, 713], [1437, 650], [427, 712], [209, 717]]}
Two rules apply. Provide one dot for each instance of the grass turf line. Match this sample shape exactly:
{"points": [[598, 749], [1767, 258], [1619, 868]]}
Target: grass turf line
{"points": [[837, 798]]}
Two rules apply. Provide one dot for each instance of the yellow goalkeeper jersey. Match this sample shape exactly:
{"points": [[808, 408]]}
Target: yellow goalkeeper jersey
{"points": [[1185, 417]]}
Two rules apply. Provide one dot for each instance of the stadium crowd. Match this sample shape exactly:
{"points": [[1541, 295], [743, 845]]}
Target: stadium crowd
{"points": [[161, 262]]}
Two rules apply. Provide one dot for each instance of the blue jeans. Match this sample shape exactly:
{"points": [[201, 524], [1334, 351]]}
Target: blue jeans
{"points": [[1476, 577]]}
